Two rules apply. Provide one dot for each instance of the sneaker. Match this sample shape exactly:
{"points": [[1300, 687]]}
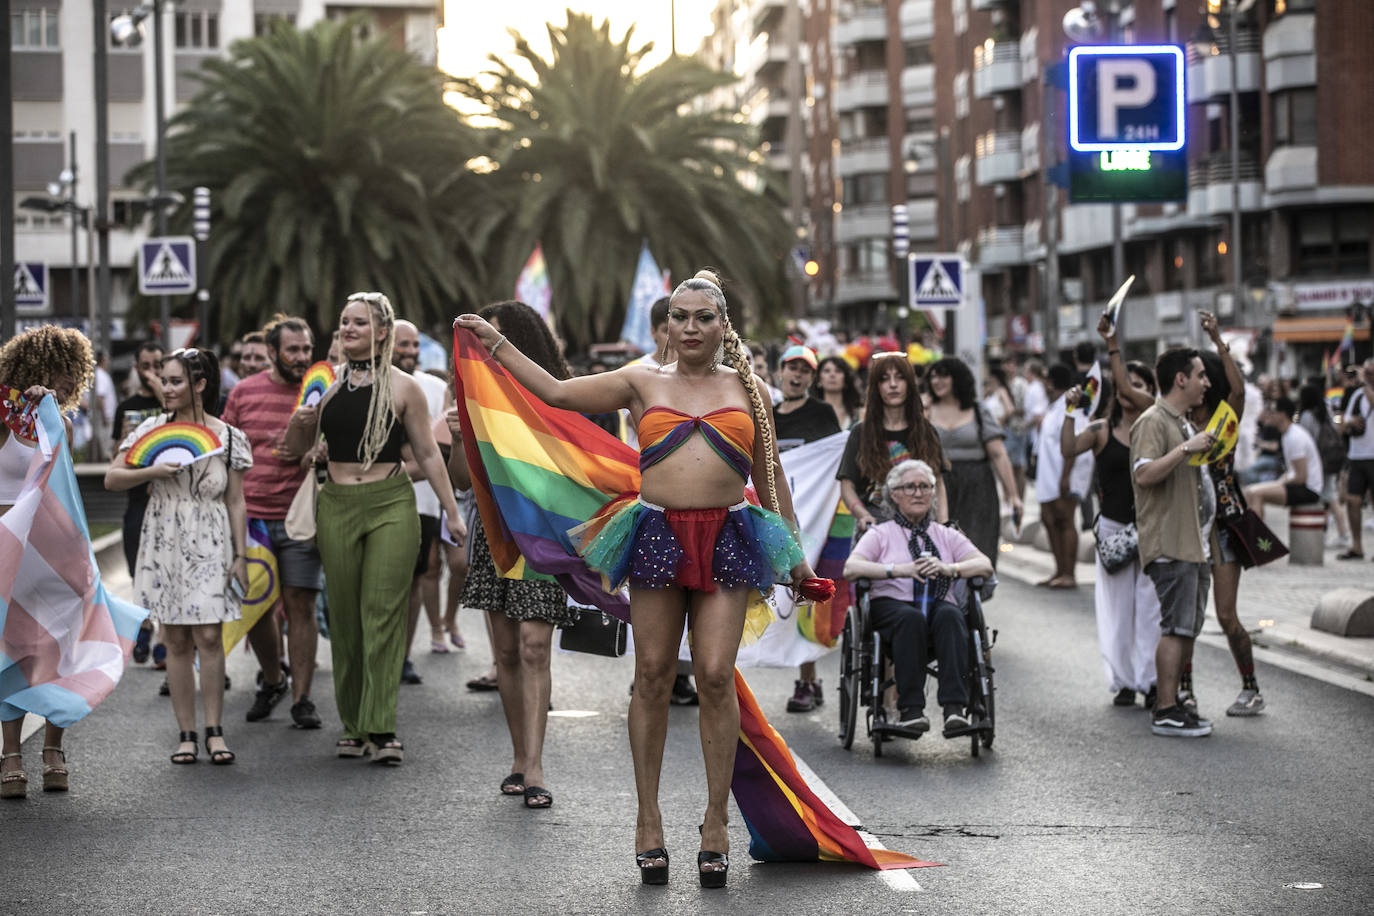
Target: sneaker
{"points": [[141, 647], [159, 657], [303, 714], [1124, 697], [1249, 703], [912, 721], [409, 675], [1175, 722], [802, 698], [956, 722], [684, 694], [817, 694], [267, 697]]}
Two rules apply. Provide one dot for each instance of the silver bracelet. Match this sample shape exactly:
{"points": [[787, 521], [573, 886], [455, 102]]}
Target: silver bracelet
{"points": [[496, 345]]}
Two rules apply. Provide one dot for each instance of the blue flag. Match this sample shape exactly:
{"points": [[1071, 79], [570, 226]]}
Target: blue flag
{"points": [[650, 285]]}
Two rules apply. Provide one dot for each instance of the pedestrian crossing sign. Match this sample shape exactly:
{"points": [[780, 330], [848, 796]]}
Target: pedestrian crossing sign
{"points": [[167, 266], [936, 281], [31, 283]]}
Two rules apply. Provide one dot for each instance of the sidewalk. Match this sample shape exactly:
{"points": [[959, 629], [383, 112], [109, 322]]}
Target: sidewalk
{"points": [[1275, 602]]}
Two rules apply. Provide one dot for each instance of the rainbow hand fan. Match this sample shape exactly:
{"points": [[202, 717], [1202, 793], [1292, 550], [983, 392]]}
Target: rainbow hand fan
{"points": [[316, 382], [182, 443]]}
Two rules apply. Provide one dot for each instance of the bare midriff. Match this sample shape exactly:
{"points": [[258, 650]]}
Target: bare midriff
{"points": [[693, 477]]}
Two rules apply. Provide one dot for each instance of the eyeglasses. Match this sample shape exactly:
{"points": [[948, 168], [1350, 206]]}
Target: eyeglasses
{"points": [[909, 489]]}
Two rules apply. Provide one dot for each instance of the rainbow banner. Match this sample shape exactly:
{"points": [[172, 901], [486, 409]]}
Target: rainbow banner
{"points": [[264, 585], [532, 287], [182, 443], [822, 622], [526, 458], [64, 639], [314, 384]]}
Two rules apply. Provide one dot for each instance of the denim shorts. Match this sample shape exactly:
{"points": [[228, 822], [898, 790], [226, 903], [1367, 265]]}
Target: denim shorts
{"points": [[298, 562], [1017, 445], [1182, 590]]}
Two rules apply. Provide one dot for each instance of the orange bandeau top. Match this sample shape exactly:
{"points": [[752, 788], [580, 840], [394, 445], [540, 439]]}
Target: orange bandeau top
{"points": [[729, 431]]}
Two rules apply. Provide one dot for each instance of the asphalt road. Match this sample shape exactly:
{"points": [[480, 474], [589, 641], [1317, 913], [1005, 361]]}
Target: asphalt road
{"points": [[1078, 809]]}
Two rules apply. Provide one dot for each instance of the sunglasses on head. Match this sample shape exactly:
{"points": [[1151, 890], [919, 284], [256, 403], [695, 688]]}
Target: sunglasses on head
{"points": [[191, 353], [367, 297]]}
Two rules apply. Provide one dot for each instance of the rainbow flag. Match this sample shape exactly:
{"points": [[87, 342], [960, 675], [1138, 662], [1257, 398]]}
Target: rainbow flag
{"points": [[527, 458], [822, 622], [64, 640], [532, 287], [264, 584]]}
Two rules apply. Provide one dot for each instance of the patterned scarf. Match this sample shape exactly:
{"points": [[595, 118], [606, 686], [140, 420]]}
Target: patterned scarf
{"points": [[919, 542]]}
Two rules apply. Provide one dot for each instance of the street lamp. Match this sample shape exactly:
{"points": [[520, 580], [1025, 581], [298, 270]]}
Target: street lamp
{"points": [[127, 31], [62, 199]]}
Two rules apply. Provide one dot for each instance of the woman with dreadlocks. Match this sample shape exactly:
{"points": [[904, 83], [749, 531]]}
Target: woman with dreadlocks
{"points": [[689, 545], [367, 528]]}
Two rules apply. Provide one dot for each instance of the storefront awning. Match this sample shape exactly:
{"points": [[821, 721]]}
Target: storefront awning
{"points": [[1316, 330]]}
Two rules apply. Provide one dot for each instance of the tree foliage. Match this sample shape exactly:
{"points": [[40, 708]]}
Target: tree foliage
{"points": [[591, 157], [334, 166]]}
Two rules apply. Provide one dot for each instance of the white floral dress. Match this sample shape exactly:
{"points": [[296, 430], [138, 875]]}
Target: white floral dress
{"points": [[186, 549]]}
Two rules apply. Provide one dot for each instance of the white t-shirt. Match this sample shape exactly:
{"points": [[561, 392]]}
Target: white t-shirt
{"points": [[1051, 457], [105, 393], [1361, 446], [1298, 443], [436, 392]]}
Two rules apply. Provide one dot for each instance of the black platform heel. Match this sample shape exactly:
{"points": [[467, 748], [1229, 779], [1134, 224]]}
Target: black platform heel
{"points": [[712, 877], [653, 874]]}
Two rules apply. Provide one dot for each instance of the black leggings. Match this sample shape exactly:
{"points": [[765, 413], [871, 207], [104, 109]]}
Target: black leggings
{"points": [[912, 637]]}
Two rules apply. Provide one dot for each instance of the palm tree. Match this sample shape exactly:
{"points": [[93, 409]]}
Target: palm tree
{"points": [[334, 165], [591, 157]]}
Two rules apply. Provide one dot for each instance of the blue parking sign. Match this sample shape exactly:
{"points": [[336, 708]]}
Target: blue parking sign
{"points": [[1126, 97]]}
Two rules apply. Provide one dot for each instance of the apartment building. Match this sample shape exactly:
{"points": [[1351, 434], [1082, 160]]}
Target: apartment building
{"points": [[1304, 182], [52, 90], [887, 148]]}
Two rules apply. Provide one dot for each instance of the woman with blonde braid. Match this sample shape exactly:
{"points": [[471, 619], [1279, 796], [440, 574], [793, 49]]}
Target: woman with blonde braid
{"points": [[689, 545], [367, 528]]}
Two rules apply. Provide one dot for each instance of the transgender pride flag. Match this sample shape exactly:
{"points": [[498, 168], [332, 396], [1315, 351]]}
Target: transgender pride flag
{"points": [[63, 638]]}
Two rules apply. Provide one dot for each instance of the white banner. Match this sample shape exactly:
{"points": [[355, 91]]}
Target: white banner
{"points": [[1335, 294]]}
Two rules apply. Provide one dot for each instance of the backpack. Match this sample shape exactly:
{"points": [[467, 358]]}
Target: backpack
{"points": [[1331, 447]]}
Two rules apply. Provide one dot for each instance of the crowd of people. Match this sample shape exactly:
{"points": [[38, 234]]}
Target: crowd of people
{"points": [[933, 471]]}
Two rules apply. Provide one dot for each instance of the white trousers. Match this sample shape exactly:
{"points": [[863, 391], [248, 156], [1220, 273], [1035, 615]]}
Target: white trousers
{"points": [[1127, 621]]}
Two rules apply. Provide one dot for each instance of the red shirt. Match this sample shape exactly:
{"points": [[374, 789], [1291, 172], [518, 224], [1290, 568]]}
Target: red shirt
{"points": [[262, 408]]}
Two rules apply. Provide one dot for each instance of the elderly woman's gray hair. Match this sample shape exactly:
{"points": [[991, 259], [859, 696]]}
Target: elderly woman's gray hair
{"points": [[902, 469]]}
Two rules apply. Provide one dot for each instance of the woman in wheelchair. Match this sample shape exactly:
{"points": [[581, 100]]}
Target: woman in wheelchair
{"points": [[917, 566]]}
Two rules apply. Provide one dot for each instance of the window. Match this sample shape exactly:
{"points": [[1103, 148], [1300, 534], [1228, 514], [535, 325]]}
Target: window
{"points": [[920, 120], [1332, 242], [263, 22], [861, 190], [867, 256], [197, 31], [34, 30], [918, 53], [1295, 117]]}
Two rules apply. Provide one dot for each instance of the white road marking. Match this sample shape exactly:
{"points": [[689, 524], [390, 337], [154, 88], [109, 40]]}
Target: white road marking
{"points": [[898, 879]]}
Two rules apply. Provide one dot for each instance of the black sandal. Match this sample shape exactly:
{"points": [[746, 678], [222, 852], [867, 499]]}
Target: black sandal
{"points": [[653, 874], [222, 757], [183, 757], [514, 784], [532, 793]]}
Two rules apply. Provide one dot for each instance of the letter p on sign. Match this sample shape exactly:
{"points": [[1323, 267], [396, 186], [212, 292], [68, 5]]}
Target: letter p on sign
{"points": [[1121, 83]]}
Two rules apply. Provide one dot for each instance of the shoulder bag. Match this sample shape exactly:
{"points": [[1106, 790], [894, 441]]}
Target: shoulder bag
{"points": [[1119, 550], [300, 518], [596, 633]]}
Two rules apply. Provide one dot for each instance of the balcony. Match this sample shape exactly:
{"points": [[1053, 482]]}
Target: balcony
{"points": [[871, 154], [918, 20], [1197, 189], [767, 104], [766, 52], [922, 215], [866, 89], [1290, 169], [1218, 188], [997, 157], [1084, 227], [870, 286], [996, 68], [1209, 67], [918, 85], [1001, 246], [864, 22], [1290, 58], [864, 221]]}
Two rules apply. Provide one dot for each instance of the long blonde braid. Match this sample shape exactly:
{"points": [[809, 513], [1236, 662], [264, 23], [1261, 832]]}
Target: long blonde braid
{"points": [[381, 415], [734, 355]]}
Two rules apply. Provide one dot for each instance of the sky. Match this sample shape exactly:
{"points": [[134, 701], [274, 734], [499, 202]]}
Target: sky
{"points": [[476, 28]]}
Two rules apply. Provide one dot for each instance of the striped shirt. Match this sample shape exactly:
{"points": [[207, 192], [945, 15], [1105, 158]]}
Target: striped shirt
{"points": [[262, 408]]}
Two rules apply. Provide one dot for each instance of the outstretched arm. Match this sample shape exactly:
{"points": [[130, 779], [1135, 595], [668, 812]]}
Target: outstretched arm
{"points": [[1233, 377], [602, 393], [1120, 380], [1072, 444]]}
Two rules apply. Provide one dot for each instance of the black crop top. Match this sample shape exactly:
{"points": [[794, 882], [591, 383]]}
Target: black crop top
{"points": [[342, 423], [1114, 481]]}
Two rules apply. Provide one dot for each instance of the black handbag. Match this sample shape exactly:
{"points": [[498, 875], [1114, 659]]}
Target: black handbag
{"points": [[1258, 545], [596, 633]]}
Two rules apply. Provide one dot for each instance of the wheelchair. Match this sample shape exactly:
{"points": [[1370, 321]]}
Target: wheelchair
{"points": [[865, 674]]}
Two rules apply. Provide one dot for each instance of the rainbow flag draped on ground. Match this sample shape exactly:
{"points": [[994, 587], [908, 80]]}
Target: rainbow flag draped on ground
{"points": [[538, 471], [264, 585], [63, 639]]}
